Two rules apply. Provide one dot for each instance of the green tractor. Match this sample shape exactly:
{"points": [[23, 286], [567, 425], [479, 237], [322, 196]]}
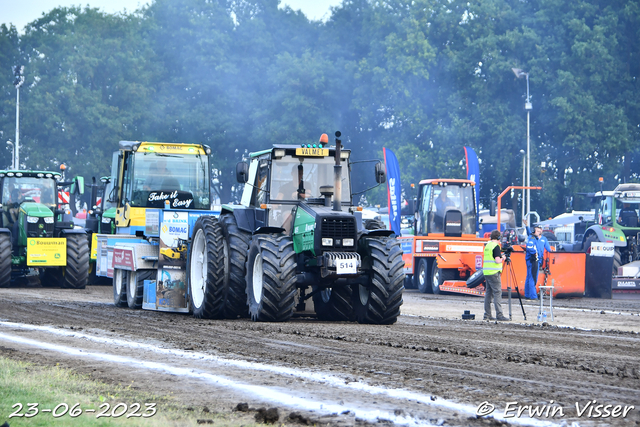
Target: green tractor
{"points": [[296, 235], [36, 238], [617, 222]]}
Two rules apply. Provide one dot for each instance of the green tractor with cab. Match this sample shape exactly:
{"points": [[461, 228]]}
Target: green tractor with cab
{"points": [[295, 236], [37, 238], [617, 222]]}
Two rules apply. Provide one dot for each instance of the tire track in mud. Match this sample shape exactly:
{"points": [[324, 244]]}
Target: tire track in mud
{"points": [[466, 361]]}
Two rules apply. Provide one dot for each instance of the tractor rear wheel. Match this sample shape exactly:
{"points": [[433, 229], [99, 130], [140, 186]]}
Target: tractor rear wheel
{"points": [[271, 278], [119, 288], [238, 247], [135, 286], [206, 269], [5, 260], [379, 302], [76, 274], [333, 304]]}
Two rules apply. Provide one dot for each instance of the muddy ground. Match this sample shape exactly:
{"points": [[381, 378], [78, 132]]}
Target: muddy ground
{"points": [[431, 367]]}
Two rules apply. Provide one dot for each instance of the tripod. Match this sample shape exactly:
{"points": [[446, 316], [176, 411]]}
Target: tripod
{"points": [[511, 279]]}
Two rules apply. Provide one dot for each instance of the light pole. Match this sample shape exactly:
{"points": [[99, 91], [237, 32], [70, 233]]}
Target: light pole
{"points": [[13, 152], [17, 71], [527, 106], [523, 183]]}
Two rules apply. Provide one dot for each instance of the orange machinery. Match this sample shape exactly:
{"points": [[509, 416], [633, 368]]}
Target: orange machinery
{"points": [[445, 250]]}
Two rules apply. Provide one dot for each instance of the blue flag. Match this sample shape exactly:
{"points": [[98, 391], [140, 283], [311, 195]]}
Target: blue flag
{"points": [[394, 189], [473, 173]]}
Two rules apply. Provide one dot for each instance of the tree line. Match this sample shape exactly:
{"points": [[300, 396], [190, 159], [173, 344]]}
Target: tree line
{"points": [[423, 78]]}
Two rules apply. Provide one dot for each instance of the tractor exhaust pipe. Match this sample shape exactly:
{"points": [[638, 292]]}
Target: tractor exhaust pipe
{"points": [[337, 176]]}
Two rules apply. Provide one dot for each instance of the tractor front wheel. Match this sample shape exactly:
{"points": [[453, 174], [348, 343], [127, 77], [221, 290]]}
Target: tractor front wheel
{"points": [[271, 278], [333, 304], [379, 302], [5, 260], [206, 269]]}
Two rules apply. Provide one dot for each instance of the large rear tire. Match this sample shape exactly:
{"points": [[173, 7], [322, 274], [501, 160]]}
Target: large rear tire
{"points": [[379, 302], [76, 274], [5, 260], [135, 286], [206, 269], [333, 304], [271, 278], [119, 288], [238, 247]]}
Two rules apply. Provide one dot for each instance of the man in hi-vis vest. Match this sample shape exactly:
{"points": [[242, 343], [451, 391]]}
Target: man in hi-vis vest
{"points": [[492, 267]]}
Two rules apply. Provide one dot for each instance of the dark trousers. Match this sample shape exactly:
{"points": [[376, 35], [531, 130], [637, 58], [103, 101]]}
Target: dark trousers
{"points": [[532, 279]]}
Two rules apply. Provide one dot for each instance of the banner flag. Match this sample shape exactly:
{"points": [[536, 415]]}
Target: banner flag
{"points": [[394, 189], [473, 172]]}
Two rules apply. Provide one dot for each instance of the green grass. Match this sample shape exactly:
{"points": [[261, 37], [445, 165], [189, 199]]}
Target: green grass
{"points": [[24, 383]]}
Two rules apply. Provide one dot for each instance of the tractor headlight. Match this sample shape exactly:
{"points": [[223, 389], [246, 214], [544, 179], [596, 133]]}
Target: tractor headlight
{"points": [[347, 242], [327, 241], [48, 220], [32, 219], [106, 220]]}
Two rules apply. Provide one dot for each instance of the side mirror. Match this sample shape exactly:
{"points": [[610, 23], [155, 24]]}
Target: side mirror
{"points": [[242, 172], [77, 187], [381, 174], [492, 209]]}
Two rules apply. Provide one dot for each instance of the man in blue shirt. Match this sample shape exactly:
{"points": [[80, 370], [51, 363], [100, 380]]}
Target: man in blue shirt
{"points": [[534, 255]]}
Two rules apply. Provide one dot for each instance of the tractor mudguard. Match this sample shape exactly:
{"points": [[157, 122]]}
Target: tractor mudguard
{"points": [[5, 230], [72, 231], [602, 238], [269, 230], [379, 232], [245, 218]]}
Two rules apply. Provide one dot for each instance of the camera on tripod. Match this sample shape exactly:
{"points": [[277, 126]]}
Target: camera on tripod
{"points": [[506, 249]]}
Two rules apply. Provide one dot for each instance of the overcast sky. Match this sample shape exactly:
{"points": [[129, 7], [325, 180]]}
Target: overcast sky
{"points": [[22, 12]]}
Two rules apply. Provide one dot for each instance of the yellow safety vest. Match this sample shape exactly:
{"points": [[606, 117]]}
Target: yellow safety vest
{"points": [[489, 264]]}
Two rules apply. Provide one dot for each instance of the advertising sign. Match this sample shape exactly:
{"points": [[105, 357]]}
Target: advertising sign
{"points": [[602, 249], [124, 258], [46, 251], [170, 288]]}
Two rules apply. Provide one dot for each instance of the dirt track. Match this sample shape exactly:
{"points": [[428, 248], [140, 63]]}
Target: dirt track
{"points": [[429, 368]]}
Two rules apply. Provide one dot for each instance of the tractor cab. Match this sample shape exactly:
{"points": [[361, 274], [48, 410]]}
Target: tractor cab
{"points": [[29, 198], [446, 206], [158, 175]]}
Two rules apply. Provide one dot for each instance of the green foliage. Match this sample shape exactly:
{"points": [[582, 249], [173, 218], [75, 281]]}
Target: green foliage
{"points": [[424, 78]]}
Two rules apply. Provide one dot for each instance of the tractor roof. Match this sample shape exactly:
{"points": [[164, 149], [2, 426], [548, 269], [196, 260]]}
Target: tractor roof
{"points": [[173, 147], [437, 181], [28, 173], [298, 151]]}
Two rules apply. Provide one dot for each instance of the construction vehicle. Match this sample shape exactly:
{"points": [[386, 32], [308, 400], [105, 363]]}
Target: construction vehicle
{"points": [[611, 227], [37, 238], [159, 190], [445, 246], [295, 236]]}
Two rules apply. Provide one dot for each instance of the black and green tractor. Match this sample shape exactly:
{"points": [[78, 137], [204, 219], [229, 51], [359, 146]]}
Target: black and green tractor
{"points": [[36, 237], [295, 236]]}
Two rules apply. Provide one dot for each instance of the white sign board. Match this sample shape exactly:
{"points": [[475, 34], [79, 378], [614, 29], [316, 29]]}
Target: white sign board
{"points": [[602, 249]]}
